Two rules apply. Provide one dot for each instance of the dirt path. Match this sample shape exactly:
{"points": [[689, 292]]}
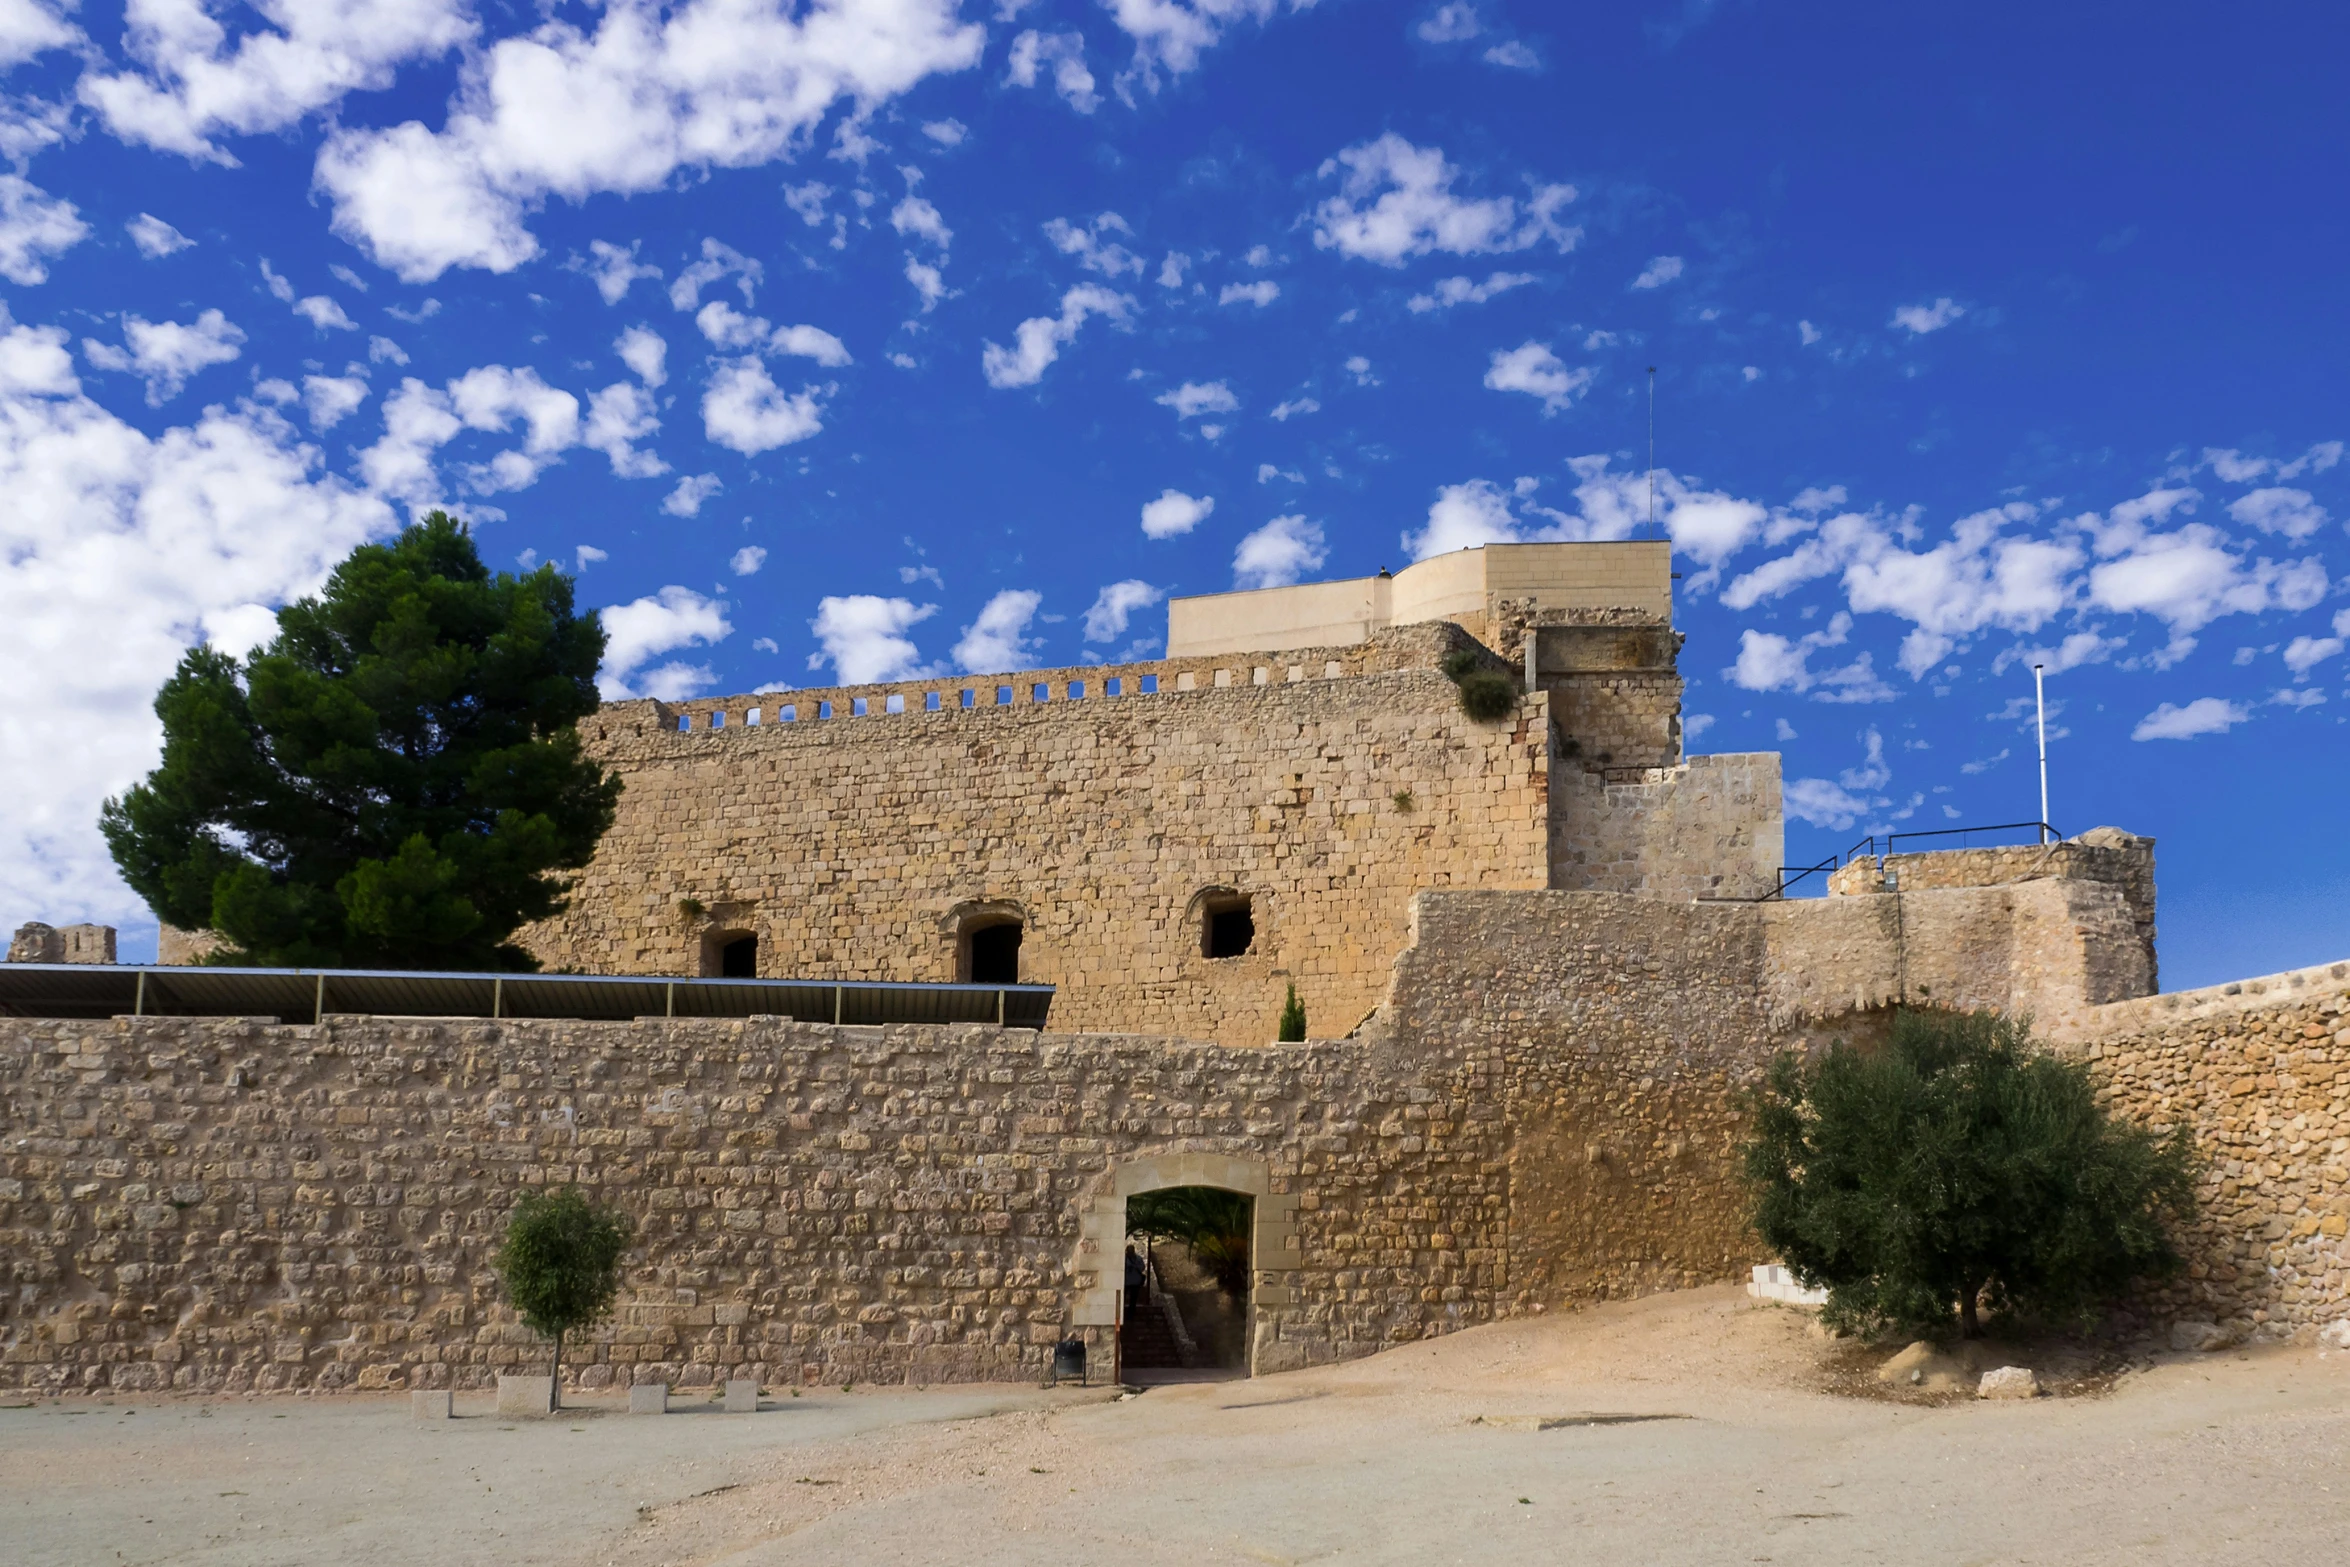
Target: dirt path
{"points": [[2239, 1457]]}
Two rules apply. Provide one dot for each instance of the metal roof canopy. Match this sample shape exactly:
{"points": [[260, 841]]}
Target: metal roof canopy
{"points": [[91, 990]]}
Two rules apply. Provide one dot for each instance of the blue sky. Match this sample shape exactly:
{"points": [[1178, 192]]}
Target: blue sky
{"points": [[850, 341]]}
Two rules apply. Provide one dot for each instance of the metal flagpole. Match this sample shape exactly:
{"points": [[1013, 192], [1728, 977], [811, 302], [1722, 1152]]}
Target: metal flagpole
{"points": [[2040, 706], [1652, 447]]}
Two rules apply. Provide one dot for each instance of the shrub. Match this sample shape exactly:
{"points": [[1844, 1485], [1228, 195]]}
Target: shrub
{"points": [[1293, 1019], [1958, 1165], [1486, 694], [561, 1264]]}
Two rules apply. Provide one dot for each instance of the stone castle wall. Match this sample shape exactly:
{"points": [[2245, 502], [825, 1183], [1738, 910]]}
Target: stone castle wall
{"points": [[860, 847], [1547, 1109]]}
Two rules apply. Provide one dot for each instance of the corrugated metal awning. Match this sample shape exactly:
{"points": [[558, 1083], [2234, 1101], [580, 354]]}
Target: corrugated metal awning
{"points": [[90, 990]]}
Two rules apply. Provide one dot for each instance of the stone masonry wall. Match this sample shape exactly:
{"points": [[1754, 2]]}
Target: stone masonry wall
{"points": [[221, 1204], [1708, 828], [2260, 1070], [857, 847]]}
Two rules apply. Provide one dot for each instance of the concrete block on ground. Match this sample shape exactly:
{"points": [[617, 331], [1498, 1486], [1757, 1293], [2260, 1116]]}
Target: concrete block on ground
{"points": [[648, 1398], [525, 1397], [742, 1397], [432, 1404]]}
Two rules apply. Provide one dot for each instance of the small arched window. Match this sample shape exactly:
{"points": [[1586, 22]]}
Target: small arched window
{"points": [[730, 954], [993, 953]]}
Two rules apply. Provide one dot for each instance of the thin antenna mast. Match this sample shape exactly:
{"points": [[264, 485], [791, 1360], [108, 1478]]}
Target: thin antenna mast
{"points": [[2040, 706], [1652, 448]]}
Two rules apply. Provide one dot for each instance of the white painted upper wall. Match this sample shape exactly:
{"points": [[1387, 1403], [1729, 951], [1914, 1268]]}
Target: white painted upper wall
{"points": [[1464, 586]]}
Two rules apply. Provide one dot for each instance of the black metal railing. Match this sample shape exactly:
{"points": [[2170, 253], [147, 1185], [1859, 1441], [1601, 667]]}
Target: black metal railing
{"points": [[1790, 875]]}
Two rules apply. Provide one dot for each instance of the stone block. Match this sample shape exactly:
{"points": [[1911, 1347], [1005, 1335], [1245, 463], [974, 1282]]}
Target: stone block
{"points": [[2008, 1382], [432, 1404], [522, 1398], [742, 1396], [648, 1398]]}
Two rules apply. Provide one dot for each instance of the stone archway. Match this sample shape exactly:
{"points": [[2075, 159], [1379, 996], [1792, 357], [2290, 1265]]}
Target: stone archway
{"points": [[1273, 1254]]}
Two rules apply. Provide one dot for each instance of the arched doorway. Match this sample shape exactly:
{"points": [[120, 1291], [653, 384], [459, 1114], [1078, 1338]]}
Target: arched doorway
{"points": [[987, 936], [1187, 1286], [1273, 1259], [730, 954]]}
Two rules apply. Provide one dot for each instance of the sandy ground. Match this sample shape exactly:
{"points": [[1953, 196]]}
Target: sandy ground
{"points": [[1435, 1452]]}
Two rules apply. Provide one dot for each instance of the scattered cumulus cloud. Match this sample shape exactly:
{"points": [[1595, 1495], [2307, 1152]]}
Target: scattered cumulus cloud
{"points": [[156, 238], [1037, 56], [2206, 715], [691, 492], [1260, 293], [1295, 407], [745, 411], [1659, 271], [1115, 605], [998, 640], [1446, 292], [1918, 320], [166, 353], [1396, 201], [1174, 514], [645, 353], [1097, 245], [746, 561], [1278, 554], [35, 227], [2294, 514], [1533, 369], [1194, 398], [643, 629], [863, 637], [1038, 341]]}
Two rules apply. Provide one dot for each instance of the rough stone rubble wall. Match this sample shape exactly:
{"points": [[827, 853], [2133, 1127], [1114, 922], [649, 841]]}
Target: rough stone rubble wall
{"points": [[225, 1205], [853, 847], [2260, 1070], [1708, 828]]}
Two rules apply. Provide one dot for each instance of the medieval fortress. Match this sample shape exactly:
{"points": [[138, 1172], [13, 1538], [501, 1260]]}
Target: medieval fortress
{"points": [[1542, 957]]}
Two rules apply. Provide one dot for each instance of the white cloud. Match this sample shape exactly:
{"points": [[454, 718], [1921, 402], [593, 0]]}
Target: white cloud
{"points": [[619, 416], [928, 282], [615, 270], [1918, 320], [1808, 333], [719, 262], [564, 112], [1038, 341], [915, 218], [1295, 407], [1171, 269], [1194, 398], [587, 555], [1115, 605], [1278, 553], [1824, 804], [810, 342], [864, 638], [747, 412], [947, 133], [154, 237], [1173, 33], [491, 398], [34, 226], [2298, 696], [2188, 578], [195, 86], [1465, 516], [645, 352], [324, 314], [1460, 291], [417, 422], [727, 327], [330, 399], [1268, 472], [2303, 654], [1659, 271], [643, 629], [1174, 514], [1514, 55], [1092, 247], [1395, 201], [692, 490], [2206, 715], [1260, 293], [998, 639], [746, 561], [1770, 662], [2315, 460], [166, 353], [29, 28], [1454, 22], [122, 549], [382, 351], [1533, 369], [1064, 53], [1360, 369], [2293, 513], [2234, 466]]}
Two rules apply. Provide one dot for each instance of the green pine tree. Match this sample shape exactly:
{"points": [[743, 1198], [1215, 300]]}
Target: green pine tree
{"points": [[1959, 1165], [394, 782], [1293, 1019]]}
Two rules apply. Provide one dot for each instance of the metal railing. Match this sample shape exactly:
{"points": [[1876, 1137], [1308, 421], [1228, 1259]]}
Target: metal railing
{"points": [[1868, 846]]}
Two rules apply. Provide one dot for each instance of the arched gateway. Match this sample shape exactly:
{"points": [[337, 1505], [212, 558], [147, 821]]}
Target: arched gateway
{"points": [[1273, 1255]]}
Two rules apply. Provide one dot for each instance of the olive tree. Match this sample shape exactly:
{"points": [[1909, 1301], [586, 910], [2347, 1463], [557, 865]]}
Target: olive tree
{"points": [[561, 1264]]}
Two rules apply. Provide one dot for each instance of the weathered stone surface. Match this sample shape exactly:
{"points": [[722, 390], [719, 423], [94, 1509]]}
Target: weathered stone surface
{"points": [[525, 1397], [648, 1398], [2008, 1382], [742, 1396], [432, 1404]]}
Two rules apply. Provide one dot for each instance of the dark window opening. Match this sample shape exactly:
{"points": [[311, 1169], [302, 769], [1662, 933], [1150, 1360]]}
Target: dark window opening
{"points": [[1228, 928], [995, 955], [739, 958]]}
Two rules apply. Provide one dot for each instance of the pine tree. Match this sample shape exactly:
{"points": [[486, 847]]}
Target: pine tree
{"points": [[393, 782], [1293, 1019], [1959, 1166]]}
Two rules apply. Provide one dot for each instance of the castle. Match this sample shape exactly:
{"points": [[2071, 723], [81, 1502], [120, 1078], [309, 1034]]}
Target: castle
{"points": [[1543, 956]]}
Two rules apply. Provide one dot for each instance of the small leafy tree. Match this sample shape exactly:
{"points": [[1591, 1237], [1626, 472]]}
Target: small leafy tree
{"points": [[1959, 1164], [561, 1264], [1293, 1019], [392, 782], [1213, 1222], [1486, 694]]}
